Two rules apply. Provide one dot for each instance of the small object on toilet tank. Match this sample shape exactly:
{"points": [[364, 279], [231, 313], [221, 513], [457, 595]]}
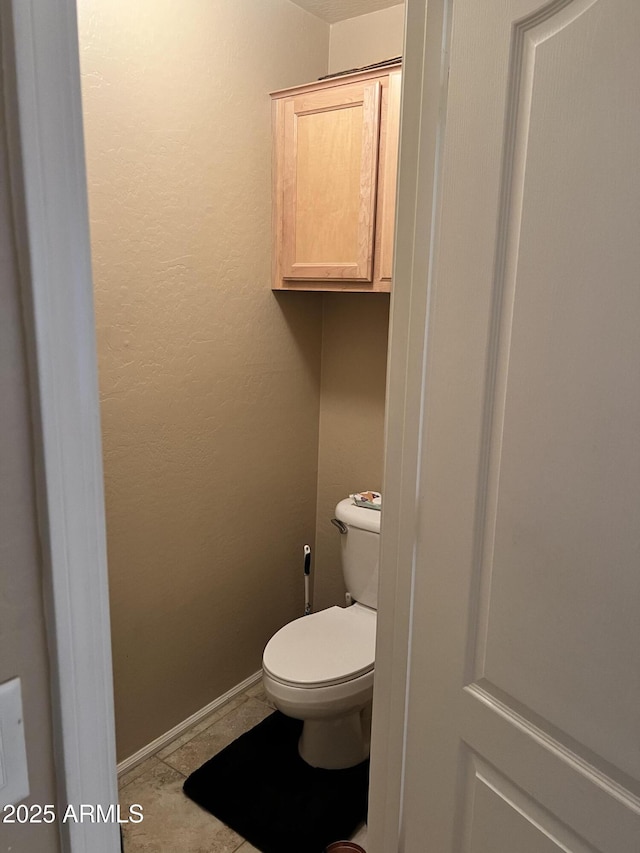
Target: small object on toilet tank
{"points": [[369, 500]]}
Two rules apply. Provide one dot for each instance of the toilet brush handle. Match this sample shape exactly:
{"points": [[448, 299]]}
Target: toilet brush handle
{"points": [[307, 573]]}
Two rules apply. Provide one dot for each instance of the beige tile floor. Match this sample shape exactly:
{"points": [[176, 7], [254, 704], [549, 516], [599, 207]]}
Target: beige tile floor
{"points": [[171, 821]]}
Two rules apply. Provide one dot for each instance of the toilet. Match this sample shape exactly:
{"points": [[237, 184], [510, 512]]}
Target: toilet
{"points": [[319, 668]]}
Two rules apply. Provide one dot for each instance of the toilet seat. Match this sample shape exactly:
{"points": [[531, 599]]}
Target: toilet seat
{"points": [[330, 647]]}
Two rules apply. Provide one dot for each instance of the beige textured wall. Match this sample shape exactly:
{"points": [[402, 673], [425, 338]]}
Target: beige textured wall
{"points": [[351, 441], [354, 349], [366, 39], [209, 384], [23, 649]]}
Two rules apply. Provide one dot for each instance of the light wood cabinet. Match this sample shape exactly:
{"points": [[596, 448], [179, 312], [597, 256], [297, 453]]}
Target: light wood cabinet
{"points": [[334, 182]]}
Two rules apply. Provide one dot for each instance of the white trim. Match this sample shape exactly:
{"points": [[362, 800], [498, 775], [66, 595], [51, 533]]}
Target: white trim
{"points": [[40, 52], [162, 741], [424, 92]]}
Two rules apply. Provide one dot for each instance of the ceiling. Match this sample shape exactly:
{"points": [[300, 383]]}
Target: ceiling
{"points": [[339, 10]]}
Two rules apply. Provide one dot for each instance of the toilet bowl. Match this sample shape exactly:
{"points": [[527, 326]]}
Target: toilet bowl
{"points": [[320, 668]]}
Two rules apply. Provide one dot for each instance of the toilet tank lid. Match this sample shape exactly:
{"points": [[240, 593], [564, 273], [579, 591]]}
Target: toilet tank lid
{"points": [[358, 516]]}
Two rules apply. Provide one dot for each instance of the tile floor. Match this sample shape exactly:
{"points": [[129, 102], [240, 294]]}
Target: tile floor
{"points": [[171, 821]]}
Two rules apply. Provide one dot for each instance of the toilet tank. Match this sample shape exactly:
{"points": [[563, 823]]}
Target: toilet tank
{"points": [[360, 551]]}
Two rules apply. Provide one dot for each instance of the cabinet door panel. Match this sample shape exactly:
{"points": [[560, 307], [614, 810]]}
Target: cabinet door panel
{"points": [[330, 168]]}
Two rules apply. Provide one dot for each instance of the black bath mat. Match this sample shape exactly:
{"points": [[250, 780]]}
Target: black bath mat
{"points": [[261, 788]]}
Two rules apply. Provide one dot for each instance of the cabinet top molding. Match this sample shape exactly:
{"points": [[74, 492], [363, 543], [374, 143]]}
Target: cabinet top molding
{"points": [[340, 80]]}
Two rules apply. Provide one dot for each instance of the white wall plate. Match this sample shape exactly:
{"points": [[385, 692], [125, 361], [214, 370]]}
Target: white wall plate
{"points": [[14, 777]]}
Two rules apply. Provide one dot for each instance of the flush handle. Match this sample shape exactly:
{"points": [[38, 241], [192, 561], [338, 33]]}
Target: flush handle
{"points": [[342, 527]]}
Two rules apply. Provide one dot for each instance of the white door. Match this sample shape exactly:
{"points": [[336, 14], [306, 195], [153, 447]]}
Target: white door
{"points": [[523, 714]]}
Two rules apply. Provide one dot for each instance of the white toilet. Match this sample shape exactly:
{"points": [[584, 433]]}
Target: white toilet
{"points": [[319, 668]]}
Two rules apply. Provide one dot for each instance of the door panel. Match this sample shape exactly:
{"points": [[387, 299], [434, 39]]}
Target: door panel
{"points": [[328, 184], [330, 168], [524, 700], [564, 450], [500, 818]]}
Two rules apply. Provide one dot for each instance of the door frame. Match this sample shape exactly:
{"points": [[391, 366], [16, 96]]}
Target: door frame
{"points": [[47, 166], [49, 198], [422, 121]]}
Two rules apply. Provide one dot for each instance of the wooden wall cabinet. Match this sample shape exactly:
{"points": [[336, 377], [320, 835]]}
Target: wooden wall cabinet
{"points": [[335, 155]]}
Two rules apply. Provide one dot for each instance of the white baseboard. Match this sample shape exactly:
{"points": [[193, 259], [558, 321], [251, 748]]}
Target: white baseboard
{"points": [[182, 727]]}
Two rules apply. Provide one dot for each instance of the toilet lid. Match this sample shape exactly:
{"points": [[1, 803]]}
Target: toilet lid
{"points": [[329, 647]]}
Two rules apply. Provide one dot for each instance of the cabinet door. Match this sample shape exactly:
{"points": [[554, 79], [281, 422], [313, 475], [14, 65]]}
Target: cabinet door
{"points": [[386, 212], [330, 163]]}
